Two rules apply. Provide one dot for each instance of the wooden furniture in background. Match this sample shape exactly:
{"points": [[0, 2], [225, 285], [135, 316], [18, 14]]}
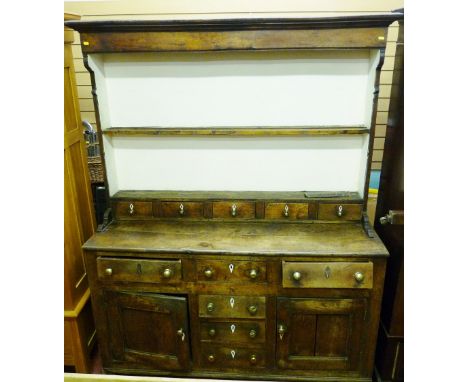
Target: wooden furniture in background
{"points": [[79, 225], [266, 284], [389, 225]]}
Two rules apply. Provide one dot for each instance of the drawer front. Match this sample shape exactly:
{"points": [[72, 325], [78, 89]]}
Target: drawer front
{"points": [[148, 271], [233, 331], [234, 210], [231, 306], [231, 271], [332, 211], [287, 211], [327, 275], [223, 357], [181, 209], [132, 210]]}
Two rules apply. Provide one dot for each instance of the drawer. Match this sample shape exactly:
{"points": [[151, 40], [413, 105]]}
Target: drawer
{"points": [[130, 210], [234, 210], [231, 271], [181, 209], [332, 211], [287, 211], [328, 275], [233, 331], [231, 306], [227, 357], [135, 270]]}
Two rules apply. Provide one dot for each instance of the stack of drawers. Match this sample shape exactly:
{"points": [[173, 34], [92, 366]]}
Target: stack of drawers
{"points": [[232, 327]]}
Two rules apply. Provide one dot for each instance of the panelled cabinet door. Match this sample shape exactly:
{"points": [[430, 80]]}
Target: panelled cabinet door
{"points": [[148, 330], [319, 334]]}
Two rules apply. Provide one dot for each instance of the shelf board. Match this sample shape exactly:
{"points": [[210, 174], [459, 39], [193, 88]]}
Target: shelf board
{"points": [[236, 131]]}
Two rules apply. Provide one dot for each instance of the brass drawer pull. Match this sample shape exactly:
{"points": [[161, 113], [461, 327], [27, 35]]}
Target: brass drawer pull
{"points": [[211, 358], [253, 309], [208, 273], [181, 334], [131, 209], [296, 275], [167, 273], [286, 211], [210, 307], [253, 359], [281, 330], [253, 274], [359, 277], [253, 333], [212, 332], [233, 210], [339, 211], [108, 271], [181, 210]]}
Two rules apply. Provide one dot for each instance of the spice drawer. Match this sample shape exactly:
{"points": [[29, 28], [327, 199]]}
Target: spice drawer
{"points": [[287, 211], [231, 306], [181, 209], [138, 270], [234, 210], [332, 211], [231, 271], [327, 275], [233, 331], [232, 357], [132, 210]]}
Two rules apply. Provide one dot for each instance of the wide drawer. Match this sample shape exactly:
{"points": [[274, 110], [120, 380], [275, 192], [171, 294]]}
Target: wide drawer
{"points": [[181, 209], [287, 211], [132, 210], [233, 331], [227, 357], [335, 211], [234, 210], [327, 275], [231, 271], [231, 306], [137, 270]]}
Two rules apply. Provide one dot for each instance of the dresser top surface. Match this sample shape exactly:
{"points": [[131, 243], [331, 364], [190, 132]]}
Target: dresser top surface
{"points": [[239, 238]]}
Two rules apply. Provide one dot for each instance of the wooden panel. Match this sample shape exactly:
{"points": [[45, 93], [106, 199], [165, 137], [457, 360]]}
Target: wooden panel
{"points": [[232, 306], [287, 211], [68, 344], [225, 210], [233, 331], [132, 210], [181, 209], [332, 335], [149, 271], [223, 357], [327, 275], [232, 271], [330, 211]]}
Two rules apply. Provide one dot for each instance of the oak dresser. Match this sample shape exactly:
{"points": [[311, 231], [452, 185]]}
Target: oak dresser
{"points": [[236, 152]]}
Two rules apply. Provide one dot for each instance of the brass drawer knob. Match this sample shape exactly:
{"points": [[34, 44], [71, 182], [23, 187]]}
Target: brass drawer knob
{"points": [[233, 210], [281, 329], [286, 211], [252, 333], [167, 273], [253, 359], [181, 210], [296, 275], [210, 307], [108, 271], [253, 274], [212, 332], [181, 334], [211, 358], [339, 211], [253, 309], [208, 273], [359, 277], [131, 209]]}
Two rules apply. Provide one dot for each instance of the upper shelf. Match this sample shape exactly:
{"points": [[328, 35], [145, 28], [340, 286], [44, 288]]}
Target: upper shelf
{"points": [[236, 131]]}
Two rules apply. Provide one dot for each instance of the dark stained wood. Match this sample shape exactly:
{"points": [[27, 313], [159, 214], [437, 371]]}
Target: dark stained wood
{"points": [[327, 274], [231, 271], [330, 211], [232, 357], [133, 210], [233, 331], [273, 238], [243, 210], [182, 210], [231, 306], [239, 131], [287, 211]]}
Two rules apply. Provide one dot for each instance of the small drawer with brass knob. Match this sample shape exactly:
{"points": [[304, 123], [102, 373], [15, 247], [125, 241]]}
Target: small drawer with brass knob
{"points": [[339, 211], [234, 210], [139, 270], [227, 357], [231, 306], [182, 209], [133, 210], [232, 271], [334, 274], [233, 331], [287, 211]]}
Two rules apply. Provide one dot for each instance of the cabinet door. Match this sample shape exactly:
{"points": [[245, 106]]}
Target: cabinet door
{"points": [[319, 334], [148, 330]]}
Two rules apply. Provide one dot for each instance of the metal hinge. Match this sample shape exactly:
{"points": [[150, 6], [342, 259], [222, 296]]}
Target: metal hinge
{"points": [[393, 217]]}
